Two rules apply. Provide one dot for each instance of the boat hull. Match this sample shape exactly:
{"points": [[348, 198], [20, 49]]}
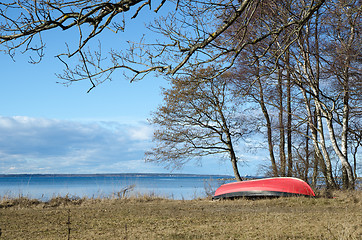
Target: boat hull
{"points": [[268, 187]]}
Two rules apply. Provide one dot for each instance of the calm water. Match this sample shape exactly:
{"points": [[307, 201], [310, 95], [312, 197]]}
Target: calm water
{"points": [[44, 187]]}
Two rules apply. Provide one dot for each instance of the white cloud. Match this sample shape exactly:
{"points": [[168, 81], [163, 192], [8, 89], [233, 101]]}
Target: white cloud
{"points": [[143, 132], [38, 145], [35, 145]]}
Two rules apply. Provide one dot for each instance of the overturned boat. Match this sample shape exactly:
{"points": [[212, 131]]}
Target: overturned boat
{"points": [[267, 187]]}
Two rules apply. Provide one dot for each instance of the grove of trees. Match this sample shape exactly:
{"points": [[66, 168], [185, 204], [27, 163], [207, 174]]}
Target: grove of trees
{"points": [[287, 72]]}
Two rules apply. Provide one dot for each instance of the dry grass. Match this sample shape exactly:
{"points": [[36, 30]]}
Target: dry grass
{"points": [[149, 217]]}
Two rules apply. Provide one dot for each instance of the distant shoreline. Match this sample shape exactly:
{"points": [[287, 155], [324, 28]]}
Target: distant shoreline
{"points": [[114, 175]]}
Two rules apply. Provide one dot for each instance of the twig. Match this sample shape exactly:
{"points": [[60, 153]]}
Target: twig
{"points": [[68, 224]]}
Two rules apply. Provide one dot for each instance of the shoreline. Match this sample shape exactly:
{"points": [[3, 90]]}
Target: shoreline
{"points": [[46, 186], [126, 194], [113, 175]]}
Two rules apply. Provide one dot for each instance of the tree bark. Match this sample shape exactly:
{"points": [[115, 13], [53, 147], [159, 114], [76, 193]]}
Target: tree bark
{"points": [[289, 119], [234, 163], [328, 164], [269, 130], [306, 169], [281, 124], [342, 157]]}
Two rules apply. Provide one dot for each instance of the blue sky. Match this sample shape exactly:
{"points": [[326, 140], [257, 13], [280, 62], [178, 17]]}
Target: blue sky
{"points": [[46, 127]]}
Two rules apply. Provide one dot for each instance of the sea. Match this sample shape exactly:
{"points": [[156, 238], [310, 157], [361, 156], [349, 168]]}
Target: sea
{"points": [[47, 186]]}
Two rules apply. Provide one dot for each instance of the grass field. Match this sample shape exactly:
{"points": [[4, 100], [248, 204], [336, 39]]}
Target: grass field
{"points": [[148, 217]]}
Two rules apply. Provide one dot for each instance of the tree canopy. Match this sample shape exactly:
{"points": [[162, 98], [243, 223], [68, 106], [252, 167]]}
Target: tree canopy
{"points": [[200, 117]]}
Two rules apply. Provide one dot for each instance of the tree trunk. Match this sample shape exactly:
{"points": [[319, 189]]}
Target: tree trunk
{"points": [[289, 121], [306, 170], [229, 143], [328, 164], [269, 130], [348, 181], [268, 122], [354, 150], [343, 158], [313, 120], [281, 125], [318, 159], [234, 163]]}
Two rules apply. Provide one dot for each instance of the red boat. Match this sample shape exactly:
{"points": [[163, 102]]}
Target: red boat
{"points": [[267, 187]]}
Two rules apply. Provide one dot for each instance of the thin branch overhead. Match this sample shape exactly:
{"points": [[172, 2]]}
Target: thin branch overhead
{"points": [[187, 34]]}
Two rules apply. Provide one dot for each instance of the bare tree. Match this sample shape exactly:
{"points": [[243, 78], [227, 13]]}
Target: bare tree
{"points": [[191, 33], [199, 117], [345, 37], [325, 74]]}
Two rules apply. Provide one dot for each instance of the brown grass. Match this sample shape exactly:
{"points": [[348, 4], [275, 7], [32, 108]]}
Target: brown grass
{"points": [[149, 217]]}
